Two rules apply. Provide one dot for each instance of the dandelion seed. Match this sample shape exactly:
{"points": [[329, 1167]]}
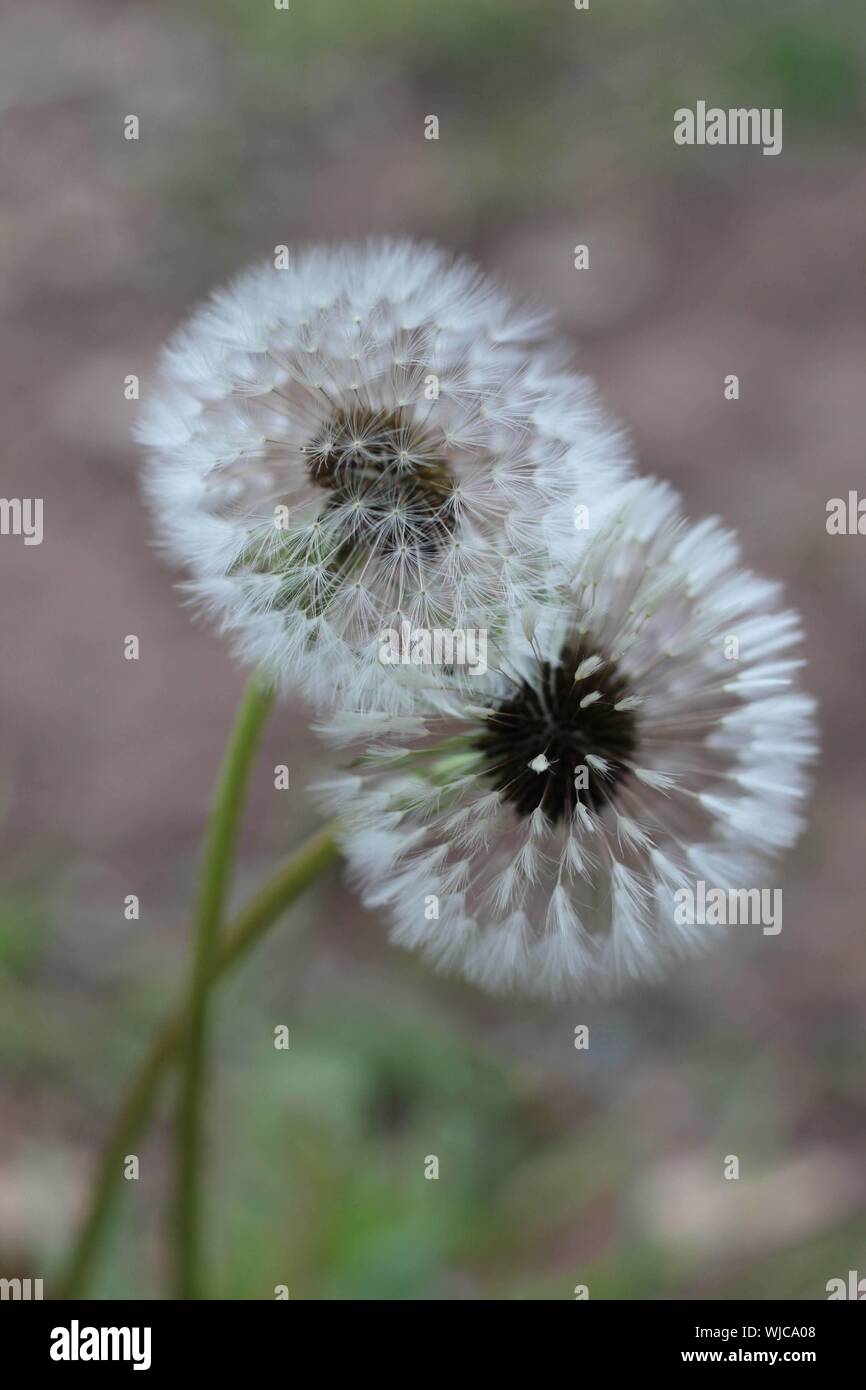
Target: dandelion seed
{"points": [[691, 775], [423, 450]]}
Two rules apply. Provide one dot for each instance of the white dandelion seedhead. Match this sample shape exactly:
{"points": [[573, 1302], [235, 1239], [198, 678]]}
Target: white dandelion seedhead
{"points": [[612, 755], [373, 435]]}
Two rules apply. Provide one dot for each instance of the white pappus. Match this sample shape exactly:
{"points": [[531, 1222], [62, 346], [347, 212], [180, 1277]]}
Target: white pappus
{"points": [[375, 434], [531, 834]]}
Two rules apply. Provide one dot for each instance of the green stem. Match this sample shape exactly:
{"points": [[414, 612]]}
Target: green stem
{"points": [[216, 871], [253, 923]]}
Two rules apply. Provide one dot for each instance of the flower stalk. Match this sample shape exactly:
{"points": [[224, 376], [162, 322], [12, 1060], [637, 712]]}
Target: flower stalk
{"points": [[305, 866], [214, 884]]}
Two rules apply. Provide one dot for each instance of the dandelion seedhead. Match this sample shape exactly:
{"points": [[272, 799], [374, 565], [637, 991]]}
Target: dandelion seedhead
{"points": [[637, 730], [374, 435]]}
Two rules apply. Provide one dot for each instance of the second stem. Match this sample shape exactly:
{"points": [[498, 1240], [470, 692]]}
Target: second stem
{"points": [[215, 878]]}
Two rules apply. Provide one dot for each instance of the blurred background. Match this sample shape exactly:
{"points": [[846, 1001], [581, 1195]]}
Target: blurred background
{"points": [[558, 1167]]}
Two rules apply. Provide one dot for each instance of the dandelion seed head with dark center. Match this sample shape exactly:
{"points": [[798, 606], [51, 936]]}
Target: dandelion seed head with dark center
{"points": [[546, 718], [387, 480]]}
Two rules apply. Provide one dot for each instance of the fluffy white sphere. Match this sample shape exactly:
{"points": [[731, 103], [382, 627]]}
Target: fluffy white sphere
{"points": [[374, 435], [635, 734]]}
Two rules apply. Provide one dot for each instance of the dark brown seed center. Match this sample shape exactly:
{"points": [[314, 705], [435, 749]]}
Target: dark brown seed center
{"points": [[388, 485], [546, 718]]}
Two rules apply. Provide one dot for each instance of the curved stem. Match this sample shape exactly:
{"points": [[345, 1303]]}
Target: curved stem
{"points": [[216, 870], [267, 907]]}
